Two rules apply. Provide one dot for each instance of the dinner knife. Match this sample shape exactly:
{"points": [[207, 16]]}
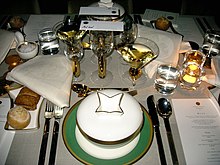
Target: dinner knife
{"points": [[156, 125], [44, 142], [138, 19]]}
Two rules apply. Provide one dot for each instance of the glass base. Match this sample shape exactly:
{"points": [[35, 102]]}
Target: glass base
{"points": [[138, 83], [80, 78], [99, 81]]}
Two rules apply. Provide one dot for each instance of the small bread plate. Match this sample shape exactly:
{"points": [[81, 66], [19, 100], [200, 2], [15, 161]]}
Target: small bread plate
{"points": [[35, 120], [71, 133]]}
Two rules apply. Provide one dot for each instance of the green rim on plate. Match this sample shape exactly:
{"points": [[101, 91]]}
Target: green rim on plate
{"points": [[68, 131]]}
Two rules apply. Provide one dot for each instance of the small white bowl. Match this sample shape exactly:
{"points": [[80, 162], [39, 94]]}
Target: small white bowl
{"points": [[27, 50]]}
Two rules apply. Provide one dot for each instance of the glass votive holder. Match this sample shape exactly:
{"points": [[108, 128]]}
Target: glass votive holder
{"points": [[191, 75], [195, 56], [166, 79]]}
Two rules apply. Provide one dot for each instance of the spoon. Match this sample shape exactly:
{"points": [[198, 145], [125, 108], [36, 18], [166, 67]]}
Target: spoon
{"points": [[165, 111], [83, 90]]}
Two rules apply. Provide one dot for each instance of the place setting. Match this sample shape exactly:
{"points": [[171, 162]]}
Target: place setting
{"points": [[105, 83]]}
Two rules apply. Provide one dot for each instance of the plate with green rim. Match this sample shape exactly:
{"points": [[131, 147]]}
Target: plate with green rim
{"points": [[68, 132]]}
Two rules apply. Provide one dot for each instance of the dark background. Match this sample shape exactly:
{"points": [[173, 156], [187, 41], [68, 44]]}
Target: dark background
{"points": [[186, 7]]}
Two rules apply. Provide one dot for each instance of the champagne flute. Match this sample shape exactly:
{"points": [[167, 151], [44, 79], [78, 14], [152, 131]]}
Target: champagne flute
{"points": [[102, 45], [138, 55]]}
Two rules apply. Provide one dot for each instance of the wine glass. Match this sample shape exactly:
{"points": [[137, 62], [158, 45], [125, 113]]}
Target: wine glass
{"points": [[69, 33], [75, 53], [102, 45], [137, 55], [128, 36]]}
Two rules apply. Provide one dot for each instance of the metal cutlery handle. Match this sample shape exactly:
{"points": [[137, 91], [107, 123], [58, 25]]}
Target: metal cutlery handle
{"points": [[155, 121], [44, 142], [171, 142], [53, 148]]}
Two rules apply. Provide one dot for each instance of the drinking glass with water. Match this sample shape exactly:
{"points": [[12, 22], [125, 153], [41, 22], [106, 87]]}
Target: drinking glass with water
{"points": [[49, 43], [166, 79]]}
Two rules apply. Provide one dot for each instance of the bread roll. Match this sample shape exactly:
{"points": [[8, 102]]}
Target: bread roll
{"points": [[18, 117], [27, 99]]}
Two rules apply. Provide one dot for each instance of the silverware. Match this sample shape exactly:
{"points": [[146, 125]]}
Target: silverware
{"points": [[47, 115], [207, 23], [201, 25], [83, 90], [58, 114], [155, 121], [138, 19], [219, 99], [165, 111]]}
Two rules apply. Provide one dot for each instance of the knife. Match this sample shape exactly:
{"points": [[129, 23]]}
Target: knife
{"points": [[155, 121], [201, 25], [138, 19], [171, 143]]}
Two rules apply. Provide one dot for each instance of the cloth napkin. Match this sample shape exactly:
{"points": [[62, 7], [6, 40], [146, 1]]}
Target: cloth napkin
{"points": [[169, 46], [213, 77], [49, 76], [7, 39]]}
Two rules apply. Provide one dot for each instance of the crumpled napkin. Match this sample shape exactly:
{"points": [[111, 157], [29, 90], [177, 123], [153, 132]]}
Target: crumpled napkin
{"points": [[7, 39], [213, 77], [169, 47], [49, 76]]}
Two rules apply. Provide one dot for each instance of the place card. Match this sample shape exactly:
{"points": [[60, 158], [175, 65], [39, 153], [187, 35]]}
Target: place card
{"points": [[198, 122], [101, 25], [99, 11]]}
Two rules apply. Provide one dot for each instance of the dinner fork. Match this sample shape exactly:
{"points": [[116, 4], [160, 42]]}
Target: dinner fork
{"points": [[58, 114], [48, 114]]}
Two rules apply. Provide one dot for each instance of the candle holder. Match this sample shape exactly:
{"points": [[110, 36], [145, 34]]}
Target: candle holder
{"points": [[191, 76]]}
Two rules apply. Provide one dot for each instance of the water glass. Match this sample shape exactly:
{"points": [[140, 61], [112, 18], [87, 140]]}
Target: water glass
{"points": [[166, 79], [191, 75], [211, 43], [49, 43]]}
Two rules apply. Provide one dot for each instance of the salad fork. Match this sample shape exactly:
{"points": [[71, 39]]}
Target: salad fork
{"points": [[58, 114], [47, 115]]}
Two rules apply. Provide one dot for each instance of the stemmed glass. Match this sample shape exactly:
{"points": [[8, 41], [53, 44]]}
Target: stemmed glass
{"points": [[128, 36], [138, 55], [69, 33], [75, 54], [102, 45]]}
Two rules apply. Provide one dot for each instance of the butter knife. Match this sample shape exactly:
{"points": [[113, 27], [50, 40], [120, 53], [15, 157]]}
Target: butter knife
{"points": [[156, 125]]}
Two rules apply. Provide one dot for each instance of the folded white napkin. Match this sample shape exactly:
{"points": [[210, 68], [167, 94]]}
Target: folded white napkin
{"points": [[49, 76], [7, 38], [213, 77], [169, 45]]}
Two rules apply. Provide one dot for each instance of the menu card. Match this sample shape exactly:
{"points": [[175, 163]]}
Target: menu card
{"points": [[198, 121]]}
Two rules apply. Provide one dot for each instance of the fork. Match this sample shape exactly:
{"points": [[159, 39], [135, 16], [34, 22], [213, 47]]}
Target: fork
{"points": [[48, 114], [58, 114]]}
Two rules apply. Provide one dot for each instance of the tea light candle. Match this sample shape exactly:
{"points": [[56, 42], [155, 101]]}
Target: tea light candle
{"points": [[190, 75]]}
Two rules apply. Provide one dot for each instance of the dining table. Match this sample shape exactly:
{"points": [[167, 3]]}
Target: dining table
{"points": [[24, 148]]}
